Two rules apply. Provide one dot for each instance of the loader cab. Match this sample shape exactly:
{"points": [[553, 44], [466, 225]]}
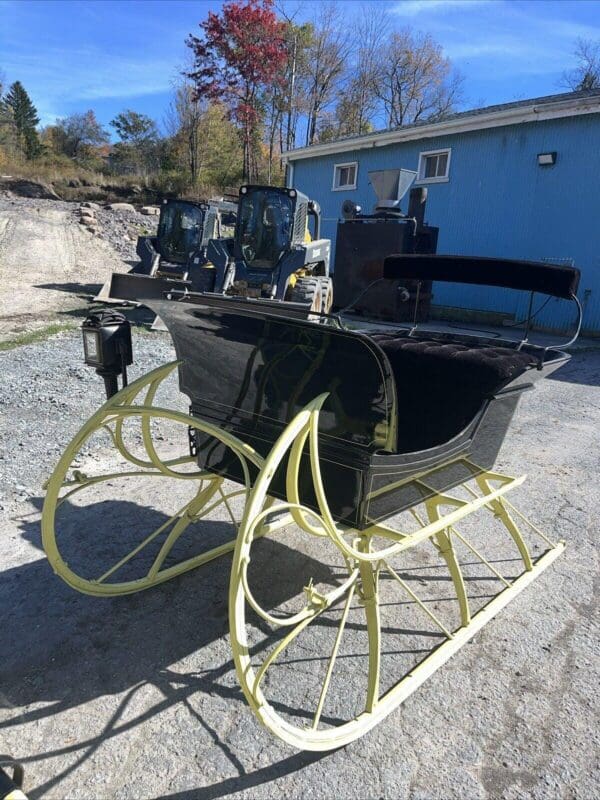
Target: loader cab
{"points": [[178, 252], [185, 227], [271, 221], [276, 252], [180, 230]]}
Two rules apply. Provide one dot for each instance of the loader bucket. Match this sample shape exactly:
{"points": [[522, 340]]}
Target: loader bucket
{"points": [[104, 295]]}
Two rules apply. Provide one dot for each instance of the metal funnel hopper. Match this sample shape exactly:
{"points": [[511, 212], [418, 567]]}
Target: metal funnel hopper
{"points": [[390, 186]]}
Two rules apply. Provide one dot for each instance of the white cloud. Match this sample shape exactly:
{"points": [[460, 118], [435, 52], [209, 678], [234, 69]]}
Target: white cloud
{"points": [[61, 78], [563, 29], [504, 39], [414, 8]]}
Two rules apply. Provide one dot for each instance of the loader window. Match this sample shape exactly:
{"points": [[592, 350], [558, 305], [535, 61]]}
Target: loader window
{"points": [[180, 231], [265, 228], [227, 225]]}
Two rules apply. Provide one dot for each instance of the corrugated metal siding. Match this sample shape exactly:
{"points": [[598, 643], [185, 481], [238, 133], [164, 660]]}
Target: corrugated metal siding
{"points": [[498, 202]]}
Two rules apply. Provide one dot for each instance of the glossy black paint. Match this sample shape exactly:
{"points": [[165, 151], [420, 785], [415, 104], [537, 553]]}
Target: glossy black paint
{"points": [[256, 371], [250, 371]]}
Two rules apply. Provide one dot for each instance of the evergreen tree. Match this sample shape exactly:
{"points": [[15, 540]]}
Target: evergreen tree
{"points": [[25, 119], [7, 136]]}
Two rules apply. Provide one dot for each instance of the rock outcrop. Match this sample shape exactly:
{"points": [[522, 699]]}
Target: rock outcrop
{"points": [[29, 188], [120, 207]]}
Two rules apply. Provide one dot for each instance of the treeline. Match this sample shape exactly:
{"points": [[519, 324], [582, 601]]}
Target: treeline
{"points": [[286, 83], [200, 149], [259, 81]]}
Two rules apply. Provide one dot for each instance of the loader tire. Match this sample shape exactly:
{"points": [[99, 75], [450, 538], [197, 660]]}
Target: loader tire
{"points": [[326, 295], [308, 291]]}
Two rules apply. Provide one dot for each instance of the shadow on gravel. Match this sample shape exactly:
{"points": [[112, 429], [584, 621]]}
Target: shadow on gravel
{"points": [[583, 368], [70, 649], [81, 290], [138, 317], [247, 780]]}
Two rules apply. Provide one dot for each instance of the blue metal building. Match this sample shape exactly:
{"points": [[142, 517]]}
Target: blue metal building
{"points": [[519, 180]]}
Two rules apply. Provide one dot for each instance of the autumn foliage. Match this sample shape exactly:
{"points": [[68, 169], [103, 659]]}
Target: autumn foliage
{"points": [[264, 77], [240, 55]]}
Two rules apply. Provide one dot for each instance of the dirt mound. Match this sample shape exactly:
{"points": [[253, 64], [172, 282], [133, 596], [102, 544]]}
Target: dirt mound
{"points": [[79, 190], [50, 266]]}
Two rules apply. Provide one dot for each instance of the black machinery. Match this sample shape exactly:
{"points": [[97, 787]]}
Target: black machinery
{"points": [[178, 251], [184, 231], [364, 240], [271, 255]]}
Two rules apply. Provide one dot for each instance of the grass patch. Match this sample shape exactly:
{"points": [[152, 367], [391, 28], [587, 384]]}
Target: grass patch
{"points": [[38, 335]]}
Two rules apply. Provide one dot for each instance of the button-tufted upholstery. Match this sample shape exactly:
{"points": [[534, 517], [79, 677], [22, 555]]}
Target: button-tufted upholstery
{"points": [[441, 385]]}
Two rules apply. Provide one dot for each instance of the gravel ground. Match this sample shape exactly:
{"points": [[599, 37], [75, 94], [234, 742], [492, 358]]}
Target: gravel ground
{"points": [[136, 697], [35, 406], [122, 228]]}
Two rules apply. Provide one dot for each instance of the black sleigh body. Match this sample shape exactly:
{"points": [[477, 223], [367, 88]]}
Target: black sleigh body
{"points": [[409, 411]]}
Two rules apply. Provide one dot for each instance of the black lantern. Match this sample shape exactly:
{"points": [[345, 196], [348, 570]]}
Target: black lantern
{"points": [[107, 346]]}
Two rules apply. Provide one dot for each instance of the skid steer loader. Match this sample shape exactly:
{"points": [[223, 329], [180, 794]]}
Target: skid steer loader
{"points": [[178, 250], [272, 255]]}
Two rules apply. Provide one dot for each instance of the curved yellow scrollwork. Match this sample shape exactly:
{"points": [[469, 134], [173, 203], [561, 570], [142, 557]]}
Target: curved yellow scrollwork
{"points": [[130, 403]]}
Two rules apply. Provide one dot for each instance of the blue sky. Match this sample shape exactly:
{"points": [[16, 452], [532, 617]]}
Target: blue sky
{"points": [[72, 55]]}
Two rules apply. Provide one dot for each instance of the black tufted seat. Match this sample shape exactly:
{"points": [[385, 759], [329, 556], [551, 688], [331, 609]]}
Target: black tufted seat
{"points": [[441, 385]]}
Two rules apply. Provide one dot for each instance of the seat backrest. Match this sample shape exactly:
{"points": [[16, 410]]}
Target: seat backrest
{"points": [[531, 276]]}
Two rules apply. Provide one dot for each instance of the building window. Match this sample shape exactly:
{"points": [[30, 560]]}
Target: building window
{"points": [[434, 166], [344, 176]]}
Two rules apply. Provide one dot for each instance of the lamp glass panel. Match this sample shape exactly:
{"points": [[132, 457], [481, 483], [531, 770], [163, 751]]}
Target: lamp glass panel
{"points": [[90, 343]]}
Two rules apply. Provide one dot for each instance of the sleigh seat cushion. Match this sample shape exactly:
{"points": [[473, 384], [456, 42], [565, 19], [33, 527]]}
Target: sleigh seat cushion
{"points": [[442, 385]]}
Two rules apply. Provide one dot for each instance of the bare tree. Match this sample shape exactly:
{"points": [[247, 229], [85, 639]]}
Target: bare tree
{"points": [[586, 75], [278, 97], [414, 80], [299, 42], [327, 55], [203, 144], [357, 99], [184, 121], [275, 103], [79, 132], [299, 39]]}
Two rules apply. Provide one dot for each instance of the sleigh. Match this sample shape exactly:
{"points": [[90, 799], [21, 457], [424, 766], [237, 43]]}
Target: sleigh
{"points": [[362, 447]]}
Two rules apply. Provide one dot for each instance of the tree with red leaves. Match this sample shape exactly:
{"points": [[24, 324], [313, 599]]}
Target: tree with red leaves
{"points": [[241, 52]]}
